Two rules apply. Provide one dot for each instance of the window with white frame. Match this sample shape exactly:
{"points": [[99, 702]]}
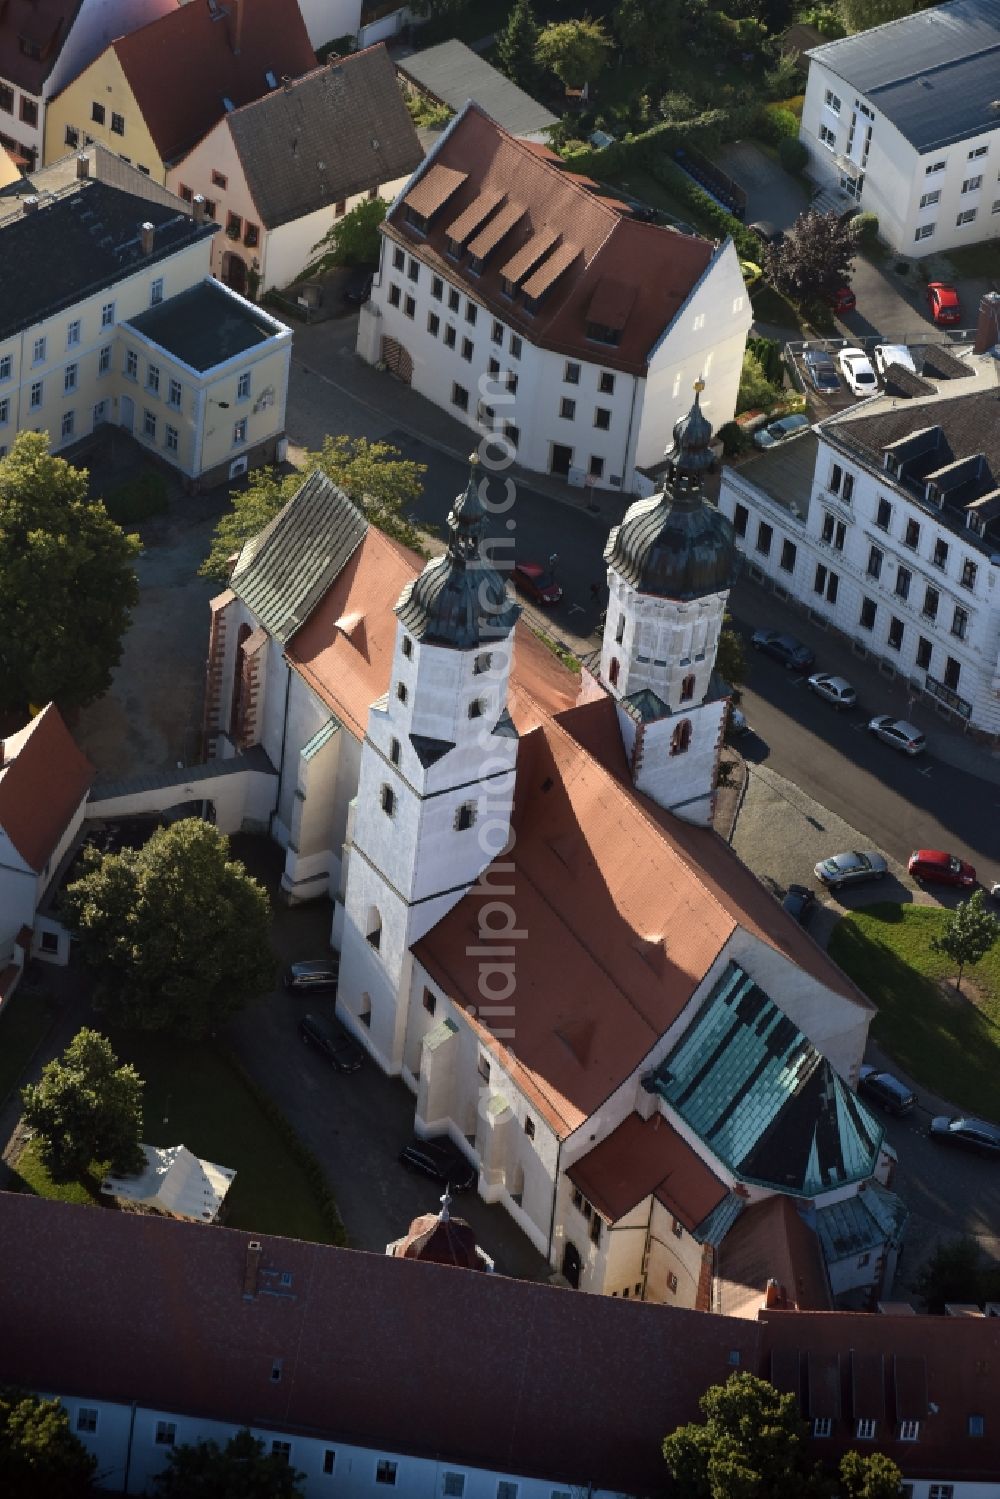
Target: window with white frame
{"points": [[506, 1489], [967, 216], [828, 137], [941, 1491], [832, 101], [996, 207], [174, 392], [108, 315], [69, 378], [149, 425], [453, 1486], [924, 231], [104, 360], [979, 151], [166, 1433], [170, 439], [38, 351], [131, 364], [822, 1426], [239, 431], [6, 366], [86, 1419], [934, 168], [281, 1450], [156, 291], [35, 399], [865, 1429], [4, 411], [972, 184], [931, 198], [977, 1426], [909, 1431], [243, 387], [153, 378], [329, 1461], [73, 333], [385, 1471], [68, 423]]}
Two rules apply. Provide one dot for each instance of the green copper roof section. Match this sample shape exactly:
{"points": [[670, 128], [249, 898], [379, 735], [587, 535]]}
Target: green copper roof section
{"points": [[763, 1099], [321, 737], [860, 1224]]}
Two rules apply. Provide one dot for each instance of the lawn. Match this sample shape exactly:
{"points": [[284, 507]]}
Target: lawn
{"points": [[24, 1024], [34, 1178], [976, 260], [948, 1043]]}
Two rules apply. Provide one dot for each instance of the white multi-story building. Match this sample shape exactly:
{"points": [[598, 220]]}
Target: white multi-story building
{"points": [[903, 121], [510, 293], [885, 522]]}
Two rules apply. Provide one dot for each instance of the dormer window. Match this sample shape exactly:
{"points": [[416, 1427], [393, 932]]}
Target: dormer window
{"points": [[270, 79], [599, 333], [975, 523], [508, 288], [892, 464], [475, 265], [415, 220], [454, 249], [933, 495]]}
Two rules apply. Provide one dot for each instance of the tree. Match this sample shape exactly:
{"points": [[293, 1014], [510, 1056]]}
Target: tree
{"points": [[873, 1476], [953, 1273], [969, 933], [177, 931], [862, 15], [575, 51], [39, 1455], [730, 659], [756, 392], [87, 1107], [649, 32], [814, 258], [66, 581], [240, 1470], [517, 45], [354, 239], [752, 1443], [378, 480]]}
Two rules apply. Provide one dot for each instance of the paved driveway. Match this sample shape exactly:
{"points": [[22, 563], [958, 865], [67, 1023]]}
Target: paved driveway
{"points": [[772, 193]]}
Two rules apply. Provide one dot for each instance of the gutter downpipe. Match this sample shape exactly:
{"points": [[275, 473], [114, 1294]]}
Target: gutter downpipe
{"points": [[281, 757], [555, 1191], [128, 1450]]}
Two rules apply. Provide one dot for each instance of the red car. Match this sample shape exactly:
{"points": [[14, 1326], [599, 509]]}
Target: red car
{"points": [[843, 300], [943, 303], [539, 585], [934, 867]]}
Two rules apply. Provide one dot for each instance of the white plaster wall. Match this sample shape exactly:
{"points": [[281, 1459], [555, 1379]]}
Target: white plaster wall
{"points": [[615, 1264], [291, 248], [18, 896], [670, 1253], [243, 799], [683, 783], [287, 731], [662, 643], [327, 20]]}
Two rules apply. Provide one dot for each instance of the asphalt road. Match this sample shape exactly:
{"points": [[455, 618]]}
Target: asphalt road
{"points": [[948, 1191]]}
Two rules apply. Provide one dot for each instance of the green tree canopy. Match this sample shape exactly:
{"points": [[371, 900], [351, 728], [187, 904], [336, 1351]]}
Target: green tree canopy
{"points": [[177, 932], [756, 391], [378, 480], [952, 1273], [354, 239], [862, 15], [730, 660], [86, 1108], [970, 930], [752, 1445], [39, 1455], [240, 1470], [650, 31], [517, 46], [873, 1476], [575, 51], [814, 259], [66, 582]]}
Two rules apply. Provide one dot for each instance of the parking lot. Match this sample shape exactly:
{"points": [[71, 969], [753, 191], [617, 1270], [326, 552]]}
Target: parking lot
{"points": [[935, 360]]}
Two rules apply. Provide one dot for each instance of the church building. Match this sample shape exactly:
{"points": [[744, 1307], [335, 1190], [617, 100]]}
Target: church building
{"points": [[649, 1063]]}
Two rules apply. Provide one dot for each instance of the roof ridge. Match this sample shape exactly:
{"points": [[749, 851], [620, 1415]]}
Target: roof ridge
{"points": [[561, 171]]}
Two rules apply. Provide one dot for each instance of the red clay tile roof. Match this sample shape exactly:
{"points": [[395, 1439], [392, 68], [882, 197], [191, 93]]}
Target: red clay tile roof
{"points": [[47, 24], [43, 780], [658, 267], [182, 67], [642, 1158], [770, 1241], [122, 1307], [440, 1241]]}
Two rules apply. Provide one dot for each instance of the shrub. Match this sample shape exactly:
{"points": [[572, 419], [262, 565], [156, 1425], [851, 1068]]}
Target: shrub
{"points": [[137, 499], [756, 391], [792, 154], [733, 438], [775, 123], [768, 351], [865, 226]]}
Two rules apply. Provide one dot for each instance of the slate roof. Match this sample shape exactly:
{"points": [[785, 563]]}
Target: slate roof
{"points": [[77, 242], [117, 1306], [339, 131], [43, 780], [183, 67], [204, 326], [860, 1223], [283, 573], [934, 74], [255, 758], [763, 1099], [453, 73]]}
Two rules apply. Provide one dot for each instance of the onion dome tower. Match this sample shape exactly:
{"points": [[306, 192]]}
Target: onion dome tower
{"points": [[440, 1239]]}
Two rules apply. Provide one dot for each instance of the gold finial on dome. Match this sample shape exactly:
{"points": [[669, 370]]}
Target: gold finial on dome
{"points": [[473, 460], [699, 385]]}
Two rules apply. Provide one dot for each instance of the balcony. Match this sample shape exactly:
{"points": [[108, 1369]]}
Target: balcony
{"points": [[848, 168]]}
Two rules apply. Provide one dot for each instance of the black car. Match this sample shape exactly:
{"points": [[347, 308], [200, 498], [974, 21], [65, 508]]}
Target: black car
{"points": [[972, 1134], [792, 654], [332, 1040], [442, 1161], [884, 1089], [358, 287], [313, 976], [799, 903], [821, 370]]}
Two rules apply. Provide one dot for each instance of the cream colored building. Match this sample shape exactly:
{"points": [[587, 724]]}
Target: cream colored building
{"points": [[107, 315]]}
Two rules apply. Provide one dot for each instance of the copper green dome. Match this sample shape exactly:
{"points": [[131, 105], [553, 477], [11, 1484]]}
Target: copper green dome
{"points": [[677, 544]]}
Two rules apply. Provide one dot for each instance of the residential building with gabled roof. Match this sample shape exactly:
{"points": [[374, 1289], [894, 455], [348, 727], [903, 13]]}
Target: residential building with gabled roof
{"points": [[514, 295], [154, 93], [281, 170]]}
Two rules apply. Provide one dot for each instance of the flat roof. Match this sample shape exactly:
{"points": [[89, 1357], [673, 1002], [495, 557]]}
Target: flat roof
{"points": [[785, 472], [453, 73], [205, 326]]}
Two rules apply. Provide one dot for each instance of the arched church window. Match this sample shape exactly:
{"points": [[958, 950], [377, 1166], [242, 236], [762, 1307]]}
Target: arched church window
{"points": [[401, 692], [613, 671], [239, 672], [365, 1012], [388, 799], [620, 630], [407, 646], [483, 663], [681, 737], [373, 930], [687, 689], [476, 708], [394, 751], [465, 817]]}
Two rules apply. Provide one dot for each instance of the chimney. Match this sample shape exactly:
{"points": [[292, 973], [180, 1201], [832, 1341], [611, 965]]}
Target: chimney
{"points": [[772, 1295], [286, 83], [147, 233], [252, 1270], [237, 9], [988, 326], [82, 167], [30, 204], [198, 204]]}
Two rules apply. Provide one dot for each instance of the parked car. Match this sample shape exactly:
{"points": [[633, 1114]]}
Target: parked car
{"points": [[897, 732], [441, 1160], [313, 975], [835, 690], [850, 869], [895, 1097], [843, 300], [358, 286], [972, 1134], [799, 902], [857, 371], [326, 1036], [537, 583], [769, 233], [821, 370], [934, 867], [792, 654], [779, 431], [942, 300], [886, 354]]}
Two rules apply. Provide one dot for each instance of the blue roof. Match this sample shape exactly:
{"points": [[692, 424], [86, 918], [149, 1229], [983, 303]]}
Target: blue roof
{"points": [[935, 75], [763, 1099]]}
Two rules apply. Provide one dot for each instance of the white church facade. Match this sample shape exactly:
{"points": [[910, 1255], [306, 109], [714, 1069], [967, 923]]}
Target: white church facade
{"points": [[651, 1066]]}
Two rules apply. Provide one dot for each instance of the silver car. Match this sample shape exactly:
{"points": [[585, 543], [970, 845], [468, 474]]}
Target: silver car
{"points": [[835, 690], [897, 732], [850, 869]]}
